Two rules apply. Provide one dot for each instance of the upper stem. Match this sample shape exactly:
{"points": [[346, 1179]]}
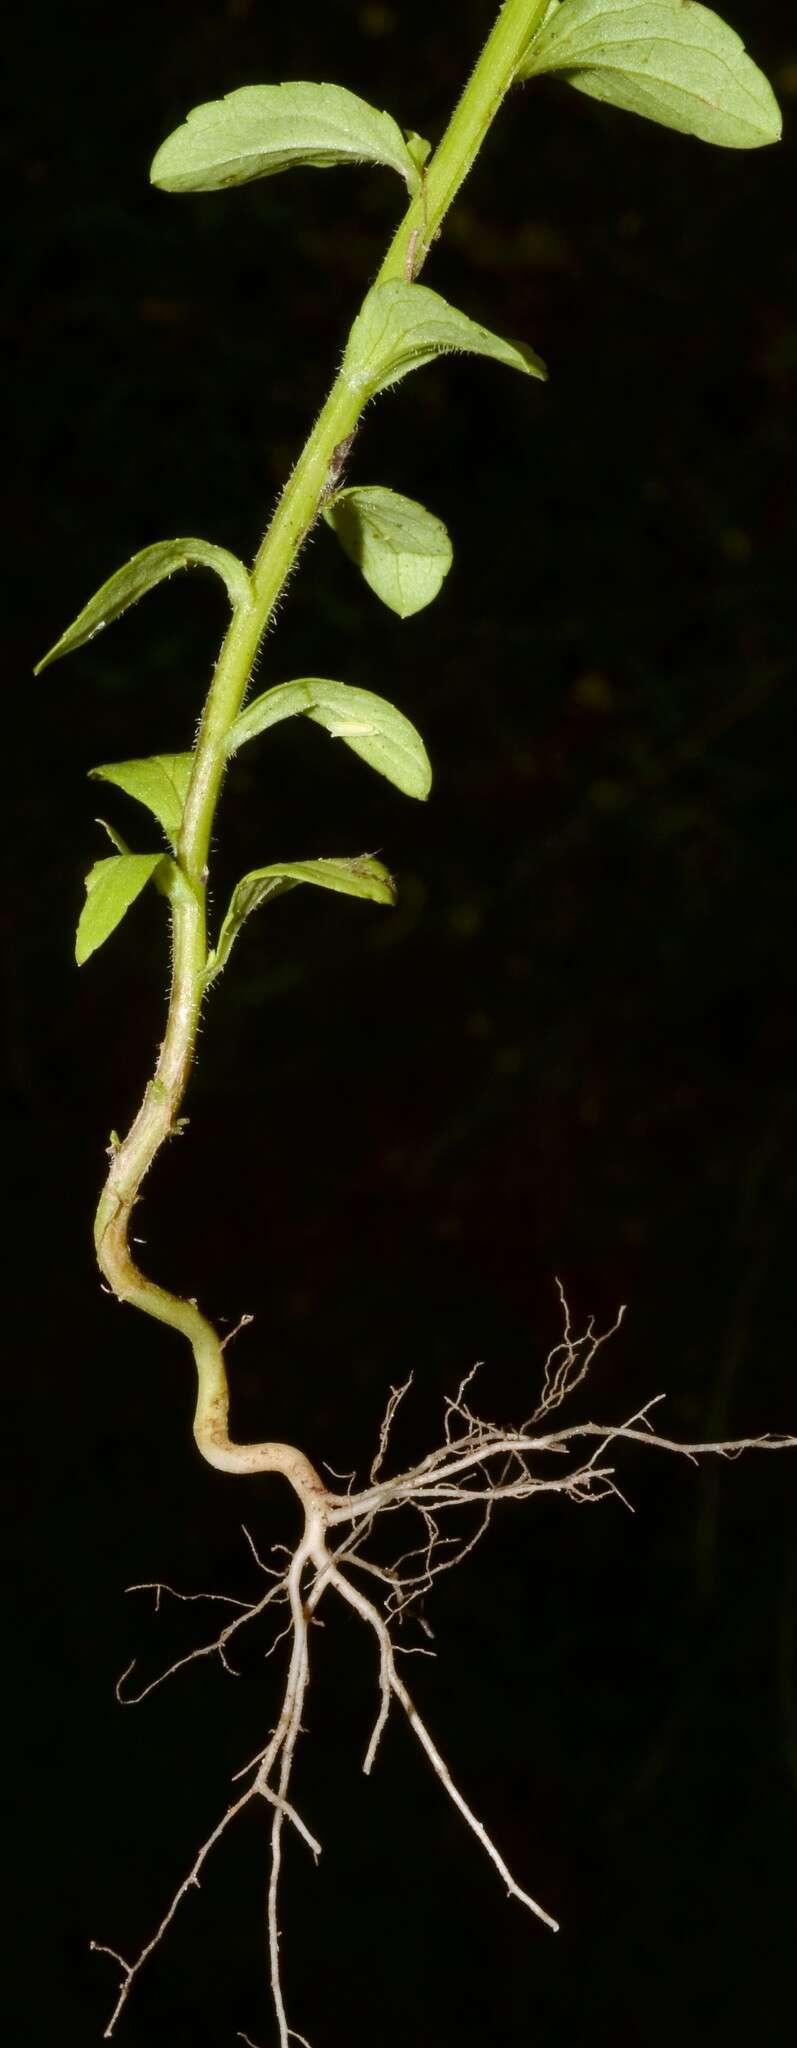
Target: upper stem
{"points": [[489, 83]]}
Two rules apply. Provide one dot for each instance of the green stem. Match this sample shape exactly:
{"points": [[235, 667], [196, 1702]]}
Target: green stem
{"points": [[455, 155], [298, 508]]}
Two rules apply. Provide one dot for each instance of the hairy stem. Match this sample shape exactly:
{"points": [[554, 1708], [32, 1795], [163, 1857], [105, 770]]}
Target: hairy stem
{"points": [[298, 508]]}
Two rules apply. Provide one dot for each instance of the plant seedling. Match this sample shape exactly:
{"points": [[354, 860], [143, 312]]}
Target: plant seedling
{"points": [[670, 61]]}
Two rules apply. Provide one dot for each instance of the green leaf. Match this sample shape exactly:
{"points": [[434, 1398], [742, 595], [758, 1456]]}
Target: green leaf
{"points": [[404, 553], [363, 876], [402, 326], [261, 129], [160, 782], [142, 573], [374, 729], [111, 886], [671, 60]]}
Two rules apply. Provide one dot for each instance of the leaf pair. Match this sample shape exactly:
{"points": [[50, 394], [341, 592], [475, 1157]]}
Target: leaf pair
{"points": [[112, 885], [402, 550], [260, 130], [673, 61], [367, 723], [381, 736], [374, 729]]}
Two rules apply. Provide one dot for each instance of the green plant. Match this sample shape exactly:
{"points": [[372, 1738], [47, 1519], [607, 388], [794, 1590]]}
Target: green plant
{"points": [[678, 64]]}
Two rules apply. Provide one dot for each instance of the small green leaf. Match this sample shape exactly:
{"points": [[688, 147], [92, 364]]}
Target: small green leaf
{"points": [[671, 60], [374, 729], [111, 886], [363, 876], [402, 326], [262, 129], [404, 553], [420, 150], [142, 573], [160, 782]]}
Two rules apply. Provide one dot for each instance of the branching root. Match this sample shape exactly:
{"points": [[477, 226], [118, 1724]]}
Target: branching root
{"points": [[476, 1465]]}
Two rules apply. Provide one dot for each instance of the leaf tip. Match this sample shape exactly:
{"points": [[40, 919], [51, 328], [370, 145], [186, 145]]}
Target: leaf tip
{"points": [[533, 364], [84, 944]]}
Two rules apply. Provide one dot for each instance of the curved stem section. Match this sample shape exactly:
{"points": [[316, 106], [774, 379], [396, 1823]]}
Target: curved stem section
{"points": [[320, 463]]}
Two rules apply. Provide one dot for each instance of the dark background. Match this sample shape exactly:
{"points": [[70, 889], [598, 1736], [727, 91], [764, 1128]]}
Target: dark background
{"points": [[569, 1051]]}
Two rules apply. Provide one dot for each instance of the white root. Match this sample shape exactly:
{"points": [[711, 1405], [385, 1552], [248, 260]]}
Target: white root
{"points": [[476, 1465]]}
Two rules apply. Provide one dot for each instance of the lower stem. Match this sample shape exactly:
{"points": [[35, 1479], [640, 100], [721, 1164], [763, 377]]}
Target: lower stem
{"points": [[157, 1120]]}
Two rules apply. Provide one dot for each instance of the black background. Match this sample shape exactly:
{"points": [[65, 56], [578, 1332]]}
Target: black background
{"points": [[569, 1051]]}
